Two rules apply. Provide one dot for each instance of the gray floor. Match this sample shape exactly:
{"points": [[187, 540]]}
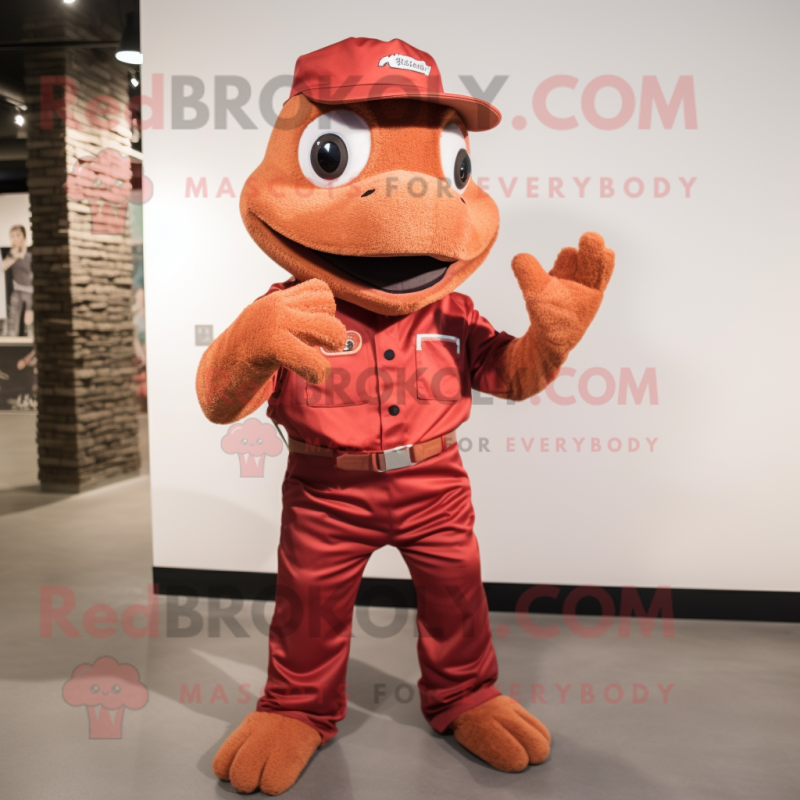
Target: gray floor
{"points": [[729, 729]]}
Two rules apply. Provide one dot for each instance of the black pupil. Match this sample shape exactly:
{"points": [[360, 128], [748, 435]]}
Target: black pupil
{"points": [[464, 168], [329, 156]]}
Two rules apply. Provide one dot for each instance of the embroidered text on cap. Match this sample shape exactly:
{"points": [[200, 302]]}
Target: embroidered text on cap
{"points": [[398, 61]]}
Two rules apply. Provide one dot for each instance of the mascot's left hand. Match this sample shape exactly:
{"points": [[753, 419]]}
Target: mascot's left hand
{"points": [[562, 304]]}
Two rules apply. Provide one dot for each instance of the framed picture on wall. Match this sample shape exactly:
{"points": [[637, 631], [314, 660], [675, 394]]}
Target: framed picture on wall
{"points": [[17, 351], [16, 288], [17, 374]]}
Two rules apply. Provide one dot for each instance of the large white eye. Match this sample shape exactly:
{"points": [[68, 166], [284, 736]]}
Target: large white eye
{"points": [[455, 159], [334, 148]]}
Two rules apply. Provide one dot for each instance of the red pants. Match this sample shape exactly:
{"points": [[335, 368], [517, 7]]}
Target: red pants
{"points": [[333, 520]]}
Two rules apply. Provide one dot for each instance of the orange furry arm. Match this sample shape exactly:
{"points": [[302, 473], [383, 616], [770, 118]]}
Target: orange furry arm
{"points": [[560, 306], [281, 329]]}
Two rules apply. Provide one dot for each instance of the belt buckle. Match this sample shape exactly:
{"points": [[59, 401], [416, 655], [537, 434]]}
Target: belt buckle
{"points": [[397, 458]]}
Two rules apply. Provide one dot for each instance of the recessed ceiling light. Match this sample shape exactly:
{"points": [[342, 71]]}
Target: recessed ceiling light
{"points": [[19, 119]]}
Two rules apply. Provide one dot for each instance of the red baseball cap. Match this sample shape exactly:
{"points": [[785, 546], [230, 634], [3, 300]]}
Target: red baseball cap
{"points": [[355, 70]]}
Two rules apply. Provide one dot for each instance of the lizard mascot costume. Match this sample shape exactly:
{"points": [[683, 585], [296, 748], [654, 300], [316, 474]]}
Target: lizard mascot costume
{"points": [[368, 357]]}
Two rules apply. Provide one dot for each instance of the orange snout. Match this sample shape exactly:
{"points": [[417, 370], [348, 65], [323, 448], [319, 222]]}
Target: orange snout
{"points": [[391, 213]]}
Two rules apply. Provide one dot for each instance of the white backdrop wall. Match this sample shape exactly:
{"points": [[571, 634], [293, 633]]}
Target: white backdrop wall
{"points": [[703, 301]]}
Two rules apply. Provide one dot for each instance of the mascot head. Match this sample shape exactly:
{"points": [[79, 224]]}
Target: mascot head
{"points": [[367, 179]]}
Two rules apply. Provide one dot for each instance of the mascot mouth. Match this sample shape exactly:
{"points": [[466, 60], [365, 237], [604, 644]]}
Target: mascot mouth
{"points": [[401, 274], [392, 274]]}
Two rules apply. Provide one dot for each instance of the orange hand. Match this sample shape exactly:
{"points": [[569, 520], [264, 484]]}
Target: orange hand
{"points": [[590, 265], [290, 327], [560, 305], [285, 328]]}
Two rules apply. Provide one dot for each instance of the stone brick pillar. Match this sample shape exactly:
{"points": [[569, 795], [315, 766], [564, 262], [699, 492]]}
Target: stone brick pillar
{"points": [[79, 181]]}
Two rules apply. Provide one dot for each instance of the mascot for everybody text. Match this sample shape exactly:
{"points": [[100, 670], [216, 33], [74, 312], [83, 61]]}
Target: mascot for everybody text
{"points": [[368, 357]]}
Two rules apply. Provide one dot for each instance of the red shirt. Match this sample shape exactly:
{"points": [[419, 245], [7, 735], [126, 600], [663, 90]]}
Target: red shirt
{"points": [[400, 380]]}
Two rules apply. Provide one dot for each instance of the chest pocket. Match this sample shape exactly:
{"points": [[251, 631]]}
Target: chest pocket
{"points": [[439, 361], [352, 376]]}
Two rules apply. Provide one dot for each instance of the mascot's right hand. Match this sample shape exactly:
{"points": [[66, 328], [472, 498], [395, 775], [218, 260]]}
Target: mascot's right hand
{"points": [[287, 328]]}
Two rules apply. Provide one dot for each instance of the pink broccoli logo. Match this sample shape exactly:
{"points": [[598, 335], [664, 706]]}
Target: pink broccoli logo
{"points": [[104, 182], [106, 688], [252, 440]]}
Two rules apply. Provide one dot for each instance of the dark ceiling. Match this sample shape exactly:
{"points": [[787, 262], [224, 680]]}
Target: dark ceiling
{"points": [[107, 15]]}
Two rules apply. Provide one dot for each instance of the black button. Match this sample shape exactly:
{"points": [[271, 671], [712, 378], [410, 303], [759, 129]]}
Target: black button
{"points": [[389, 355], [394, 410]]}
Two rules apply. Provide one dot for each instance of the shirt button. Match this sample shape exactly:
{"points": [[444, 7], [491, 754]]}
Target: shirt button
{"points": [[389, 355], [394, 410]]}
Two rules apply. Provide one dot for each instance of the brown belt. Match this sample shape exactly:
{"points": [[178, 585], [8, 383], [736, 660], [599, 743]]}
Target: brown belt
{"points": [[384, 461]]}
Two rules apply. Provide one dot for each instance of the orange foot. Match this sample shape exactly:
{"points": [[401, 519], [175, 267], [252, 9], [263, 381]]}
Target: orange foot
{"points": [[503, 734], [267, 751]]}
